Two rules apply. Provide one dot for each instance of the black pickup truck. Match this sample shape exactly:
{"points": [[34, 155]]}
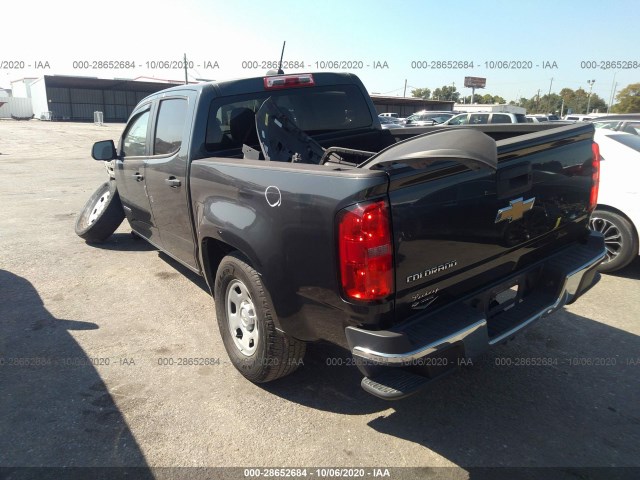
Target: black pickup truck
{"points": [[415, 249]]}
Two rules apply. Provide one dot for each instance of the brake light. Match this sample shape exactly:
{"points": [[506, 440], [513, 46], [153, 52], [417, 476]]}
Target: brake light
{"points": [[595, 176], [365, 251], [288, 81]]}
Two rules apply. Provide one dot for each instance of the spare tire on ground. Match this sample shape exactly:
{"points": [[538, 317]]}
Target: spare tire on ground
{"points": [[101, 215]]}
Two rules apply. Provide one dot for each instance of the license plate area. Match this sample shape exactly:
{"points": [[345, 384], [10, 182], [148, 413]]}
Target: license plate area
{"points": [[504, 298]]}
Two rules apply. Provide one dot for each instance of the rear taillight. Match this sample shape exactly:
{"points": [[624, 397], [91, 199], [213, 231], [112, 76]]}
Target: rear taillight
{"points": [[365, 251], [595, 177], [288, 81]]}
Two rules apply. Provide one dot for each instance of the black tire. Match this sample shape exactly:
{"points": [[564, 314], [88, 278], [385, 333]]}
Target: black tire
{"points": [[273, 354], [620, 237], [101, 215]]}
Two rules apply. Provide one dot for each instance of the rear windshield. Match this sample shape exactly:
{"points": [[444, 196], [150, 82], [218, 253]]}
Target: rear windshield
{"points": [[315, 110], [631, 141]]}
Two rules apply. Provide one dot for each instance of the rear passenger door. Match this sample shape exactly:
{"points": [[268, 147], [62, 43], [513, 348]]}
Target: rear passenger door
{"points": [[166, 175]]}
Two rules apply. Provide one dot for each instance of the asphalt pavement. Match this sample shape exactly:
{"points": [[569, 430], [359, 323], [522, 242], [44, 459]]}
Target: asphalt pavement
{"points": [[92, 337]]}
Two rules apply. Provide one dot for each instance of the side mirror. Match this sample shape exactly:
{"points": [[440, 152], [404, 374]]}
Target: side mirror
{"points": [[104, 150]]}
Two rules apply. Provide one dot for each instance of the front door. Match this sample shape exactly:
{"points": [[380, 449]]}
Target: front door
{"points": [[130, 171]]}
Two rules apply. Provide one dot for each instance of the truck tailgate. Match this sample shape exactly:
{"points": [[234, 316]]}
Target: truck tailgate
{"points": [[456, 229]]}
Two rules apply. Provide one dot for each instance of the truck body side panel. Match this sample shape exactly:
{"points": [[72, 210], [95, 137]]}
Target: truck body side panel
{"points": [[282, 217]]}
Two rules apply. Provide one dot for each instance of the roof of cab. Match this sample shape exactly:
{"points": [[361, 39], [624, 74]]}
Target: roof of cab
{"points": [[256, 84]]}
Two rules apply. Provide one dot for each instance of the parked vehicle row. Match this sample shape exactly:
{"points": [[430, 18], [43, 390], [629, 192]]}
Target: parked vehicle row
{"points": [[541, 118], [628, 123], [486, 118]]}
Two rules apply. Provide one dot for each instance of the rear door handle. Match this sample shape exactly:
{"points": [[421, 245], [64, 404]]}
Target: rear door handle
{"points": [[173, 182], [138, 176]]}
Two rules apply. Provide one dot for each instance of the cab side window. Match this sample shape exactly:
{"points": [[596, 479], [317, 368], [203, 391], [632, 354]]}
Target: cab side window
{"points": [[478, 118], [134, 141], [500, 118], [170, 125], [460, 120]]}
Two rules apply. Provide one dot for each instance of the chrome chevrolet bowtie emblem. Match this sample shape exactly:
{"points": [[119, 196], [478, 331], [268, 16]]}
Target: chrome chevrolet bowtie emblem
{"points": [[515, 210]]}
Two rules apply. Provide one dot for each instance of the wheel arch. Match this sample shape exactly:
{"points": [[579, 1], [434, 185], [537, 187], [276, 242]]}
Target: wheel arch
{"points": [[212, 251]]}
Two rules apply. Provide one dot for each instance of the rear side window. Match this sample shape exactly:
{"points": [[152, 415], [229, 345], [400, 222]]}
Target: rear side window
{"points": [[520, 118], [170, 125]]}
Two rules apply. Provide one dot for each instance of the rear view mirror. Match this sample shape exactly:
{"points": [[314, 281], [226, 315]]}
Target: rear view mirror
{"points": [[104, 150]]}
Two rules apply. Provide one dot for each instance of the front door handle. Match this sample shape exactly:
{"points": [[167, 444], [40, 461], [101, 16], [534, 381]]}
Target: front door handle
{"points": [[138, 176], [173, 182]]}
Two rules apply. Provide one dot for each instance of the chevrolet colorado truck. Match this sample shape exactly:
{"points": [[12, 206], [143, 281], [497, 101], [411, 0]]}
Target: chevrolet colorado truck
{"points": [[413, 249]]}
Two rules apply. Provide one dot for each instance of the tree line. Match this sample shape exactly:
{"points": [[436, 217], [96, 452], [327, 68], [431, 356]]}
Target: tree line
{"points": [[575, 101]]}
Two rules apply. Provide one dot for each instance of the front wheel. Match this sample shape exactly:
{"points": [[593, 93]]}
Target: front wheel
{"points": [[620, 239], [101, 215], [246, 321]]}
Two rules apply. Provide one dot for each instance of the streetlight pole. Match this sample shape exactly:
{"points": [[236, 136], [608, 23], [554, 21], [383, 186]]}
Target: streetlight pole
{"points": [[590, 82]]}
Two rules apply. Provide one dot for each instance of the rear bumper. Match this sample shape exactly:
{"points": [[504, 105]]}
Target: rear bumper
{"points": [[463, 329]]}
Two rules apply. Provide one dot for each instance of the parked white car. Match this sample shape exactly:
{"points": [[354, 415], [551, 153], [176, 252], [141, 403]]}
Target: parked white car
{"points": [[617, 214]]}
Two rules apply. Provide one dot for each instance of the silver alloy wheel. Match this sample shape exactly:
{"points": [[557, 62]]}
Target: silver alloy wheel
{"points": [[99, 206], [613, 240], [241, 317]]}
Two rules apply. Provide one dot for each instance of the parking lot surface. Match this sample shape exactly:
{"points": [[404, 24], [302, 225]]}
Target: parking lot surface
{"points": [[93, 342]]}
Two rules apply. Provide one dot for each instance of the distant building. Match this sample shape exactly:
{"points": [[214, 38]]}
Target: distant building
{"points": [[76, 98], [489, 107]]}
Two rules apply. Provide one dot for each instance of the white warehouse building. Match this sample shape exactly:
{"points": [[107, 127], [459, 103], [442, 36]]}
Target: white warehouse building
{"points": [[489, 107]]}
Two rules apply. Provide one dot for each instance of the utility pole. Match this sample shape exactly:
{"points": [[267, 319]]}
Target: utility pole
{"points": [[613, 83], [590, 82], [405, 88], [549, 97], [186, 79], [538, 102], [615, 89], [562, 108]]}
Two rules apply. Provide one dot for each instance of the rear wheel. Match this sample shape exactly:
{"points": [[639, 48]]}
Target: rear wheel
{"points": [[101, 215], [246, 321], [620, 239]]}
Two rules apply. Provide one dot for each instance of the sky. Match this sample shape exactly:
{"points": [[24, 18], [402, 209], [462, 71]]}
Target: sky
{"points": [[408, 41]]}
